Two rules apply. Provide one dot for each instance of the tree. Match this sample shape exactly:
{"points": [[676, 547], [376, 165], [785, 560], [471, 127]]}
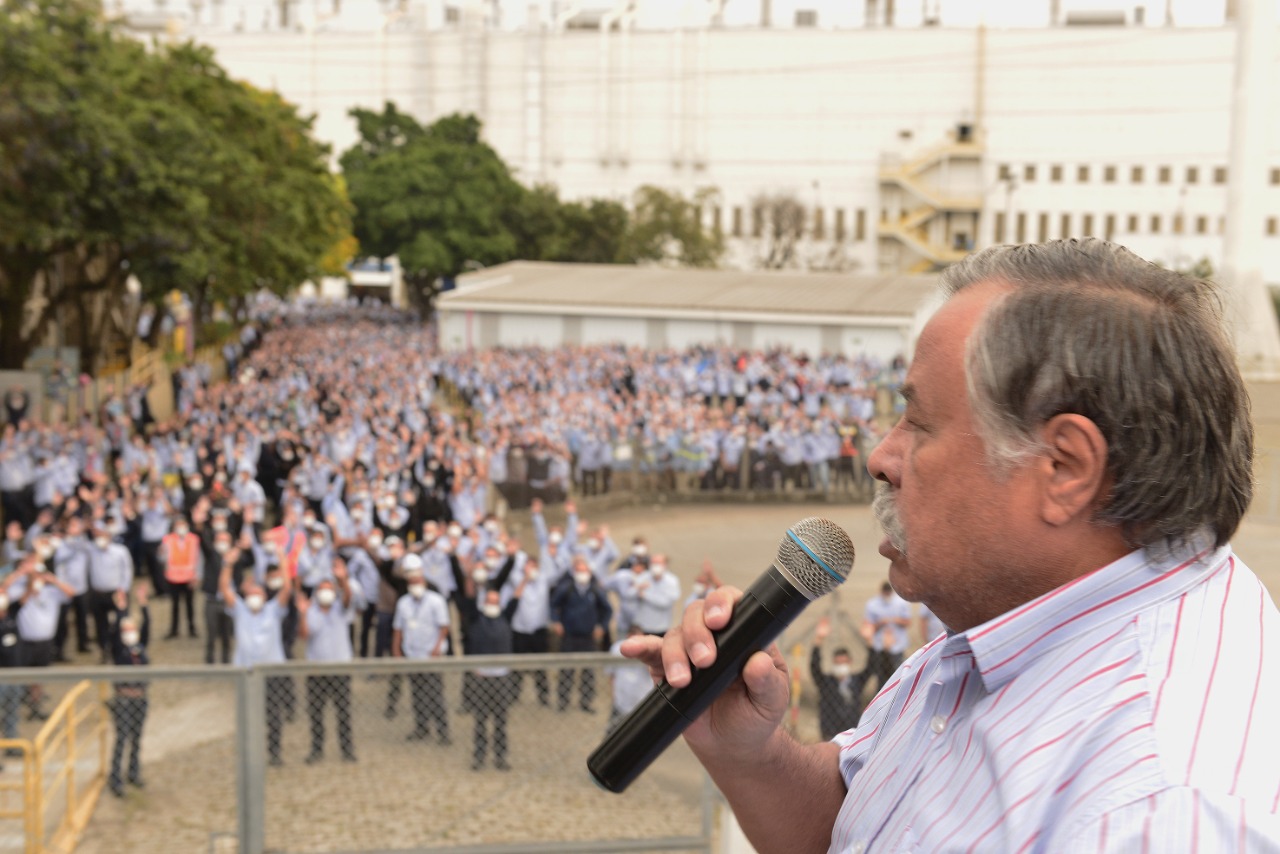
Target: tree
{"points": [[438, 197], [667, 228], [778, 224], [115, 160]]}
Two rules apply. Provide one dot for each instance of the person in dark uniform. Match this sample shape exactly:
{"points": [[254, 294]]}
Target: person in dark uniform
{"points": [[580, 613], [488, 692], [839, 691], [129, 705]]}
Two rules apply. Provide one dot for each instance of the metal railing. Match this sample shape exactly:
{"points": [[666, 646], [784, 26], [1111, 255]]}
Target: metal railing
{"points": [[368, 755]]}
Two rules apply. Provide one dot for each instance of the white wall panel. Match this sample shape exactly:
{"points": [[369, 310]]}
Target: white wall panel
{"points": [[613, 330]]}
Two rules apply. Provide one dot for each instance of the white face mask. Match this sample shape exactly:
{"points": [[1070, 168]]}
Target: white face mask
{"points": [[45, 552], [658, 570], [255, 601], [493, 562], [4, 603], [417, 591], [219, 526], [491, 526], [582, 578], [556, 537], [130, 638], [222, 548], [639, 550], [275, 583], [593, 544], [37, 585], [480, 576], [375, 542], [491, 610], [841, 671], [326, 596], [317, 545], [455, 532], [531, 574], [101, 542], [180, 530]]}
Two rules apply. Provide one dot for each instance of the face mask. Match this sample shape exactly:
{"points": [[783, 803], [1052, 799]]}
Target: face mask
{"points": [[308, 521], [37, 585], [593, 544], [219, 526], [480, 576], [493, 562], [197, 485], [130, 638], [582, 578], [275, 582], [326, 596], [4, 603], [491, 610], [101, 542], [658, 570], [455, 532], [556, 537], [375, 542], [531, 575], [45, 552], [181, 530], [417, 591], [699, 590], [841, 671], [429, 482], [639, 550], [255, 601], [317, 545], [222, 548], [491, 526]]}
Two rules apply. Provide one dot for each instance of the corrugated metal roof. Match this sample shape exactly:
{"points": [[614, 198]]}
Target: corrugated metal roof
{"points": [[622, 286]]}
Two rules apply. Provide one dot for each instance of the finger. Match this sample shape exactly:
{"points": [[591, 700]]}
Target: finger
{"points": [[719, 606], [675, 661], [699, 645], [767, 684]]}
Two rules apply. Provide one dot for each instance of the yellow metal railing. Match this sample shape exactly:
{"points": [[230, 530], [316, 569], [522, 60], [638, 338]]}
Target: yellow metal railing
{"points": [[64, 769]]}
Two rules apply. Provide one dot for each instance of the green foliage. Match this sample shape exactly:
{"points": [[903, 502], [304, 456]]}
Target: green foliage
{"points": [[443, 200], [116, 160]]}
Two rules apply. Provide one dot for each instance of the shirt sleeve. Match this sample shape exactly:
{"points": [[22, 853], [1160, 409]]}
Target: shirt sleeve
{"points": [[397, 619]]}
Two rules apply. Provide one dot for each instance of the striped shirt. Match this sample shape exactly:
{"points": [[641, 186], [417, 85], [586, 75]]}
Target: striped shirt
{"points": [[1130, 710]]}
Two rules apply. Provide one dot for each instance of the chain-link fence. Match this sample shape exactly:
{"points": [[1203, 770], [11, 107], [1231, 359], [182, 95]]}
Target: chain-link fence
{"points": [[480, 754]]}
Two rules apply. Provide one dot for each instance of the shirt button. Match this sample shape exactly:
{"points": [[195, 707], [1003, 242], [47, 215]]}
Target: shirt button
{"points": [[938, 724]]}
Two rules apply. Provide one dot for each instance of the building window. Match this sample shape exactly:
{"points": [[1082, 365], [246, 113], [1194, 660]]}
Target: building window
{"points": [[1109, 174], [1006, 172], [1219, 174], [806, 18], [860, 225], [999, 227], [1166, 174], [452, 15], [1055, 173], [1178, 223], [737, 220], [1020, 236], [839, 223], [717, 221], [1155, 223], [1275, 176], [1086, 227], [1065, 226], [1271, 226], [1135, 174], [1132, 224], [1202, 225], [757, 221], [1193, 175], [1042, 228], [1082, 174], [1029, 172], [819, 225], [1109, 227]]}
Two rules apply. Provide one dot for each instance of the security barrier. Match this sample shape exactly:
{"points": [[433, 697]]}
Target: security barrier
{"points": [[479, 754]]}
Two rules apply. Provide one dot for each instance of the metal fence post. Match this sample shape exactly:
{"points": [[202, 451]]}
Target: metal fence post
{"points": [[250, 770]]}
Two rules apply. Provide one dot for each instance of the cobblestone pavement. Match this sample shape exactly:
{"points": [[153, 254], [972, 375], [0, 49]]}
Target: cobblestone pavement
{"points": [[404, 795]]}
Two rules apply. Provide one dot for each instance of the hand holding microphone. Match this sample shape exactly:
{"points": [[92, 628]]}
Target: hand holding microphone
{"points": [[716, 643]]}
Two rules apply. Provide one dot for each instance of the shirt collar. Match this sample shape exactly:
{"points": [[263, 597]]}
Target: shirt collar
{"points": [[1006, 646]]}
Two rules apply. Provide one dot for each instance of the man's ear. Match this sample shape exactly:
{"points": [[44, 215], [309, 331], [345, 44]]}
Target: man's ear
{"points": [[1075, 468]]}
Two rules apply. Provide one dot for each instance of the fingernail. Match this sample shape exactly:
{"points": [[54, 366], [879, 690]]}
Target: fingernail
{"points": [[714, 611], [700, 653], [677, 673]]}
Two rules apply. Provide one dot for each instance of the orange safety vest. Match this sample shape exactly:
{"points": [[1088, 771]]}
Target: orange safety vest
{"points": [[181, 553]]}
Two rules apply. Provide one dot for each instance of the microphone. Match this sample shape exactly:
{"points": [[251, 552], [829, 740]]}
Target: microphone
{"points": [[813, 558]]}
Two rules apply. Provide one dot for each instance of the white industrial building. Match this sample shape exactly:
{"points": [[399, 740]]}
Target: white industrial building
{"points": [[907, 144], [546, 305]]}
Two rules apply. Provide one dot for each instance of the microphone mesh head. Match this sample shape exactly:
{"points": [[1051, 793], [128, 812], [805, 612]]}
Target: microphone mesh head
{"points": [[833, 548]]}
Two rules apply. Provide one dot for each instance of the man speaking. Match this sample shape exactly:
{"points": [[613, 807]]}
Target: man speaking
{"points": [[1075, 454]]}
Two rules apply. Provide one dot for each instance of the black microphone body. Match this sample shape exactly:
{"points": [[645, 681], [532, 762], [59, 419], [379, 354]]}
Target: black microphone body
{"points": [[766, 608]]}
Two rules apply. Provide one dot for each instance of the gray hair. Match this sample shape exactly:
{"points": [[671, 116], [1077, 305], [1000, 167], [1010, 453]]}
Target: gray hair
{"points": [[1092, 329]]}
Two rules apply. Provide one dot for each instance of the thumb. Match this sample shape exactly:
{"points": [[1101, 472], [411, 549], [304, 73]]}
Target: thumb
{"points": [[767, 685]]}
